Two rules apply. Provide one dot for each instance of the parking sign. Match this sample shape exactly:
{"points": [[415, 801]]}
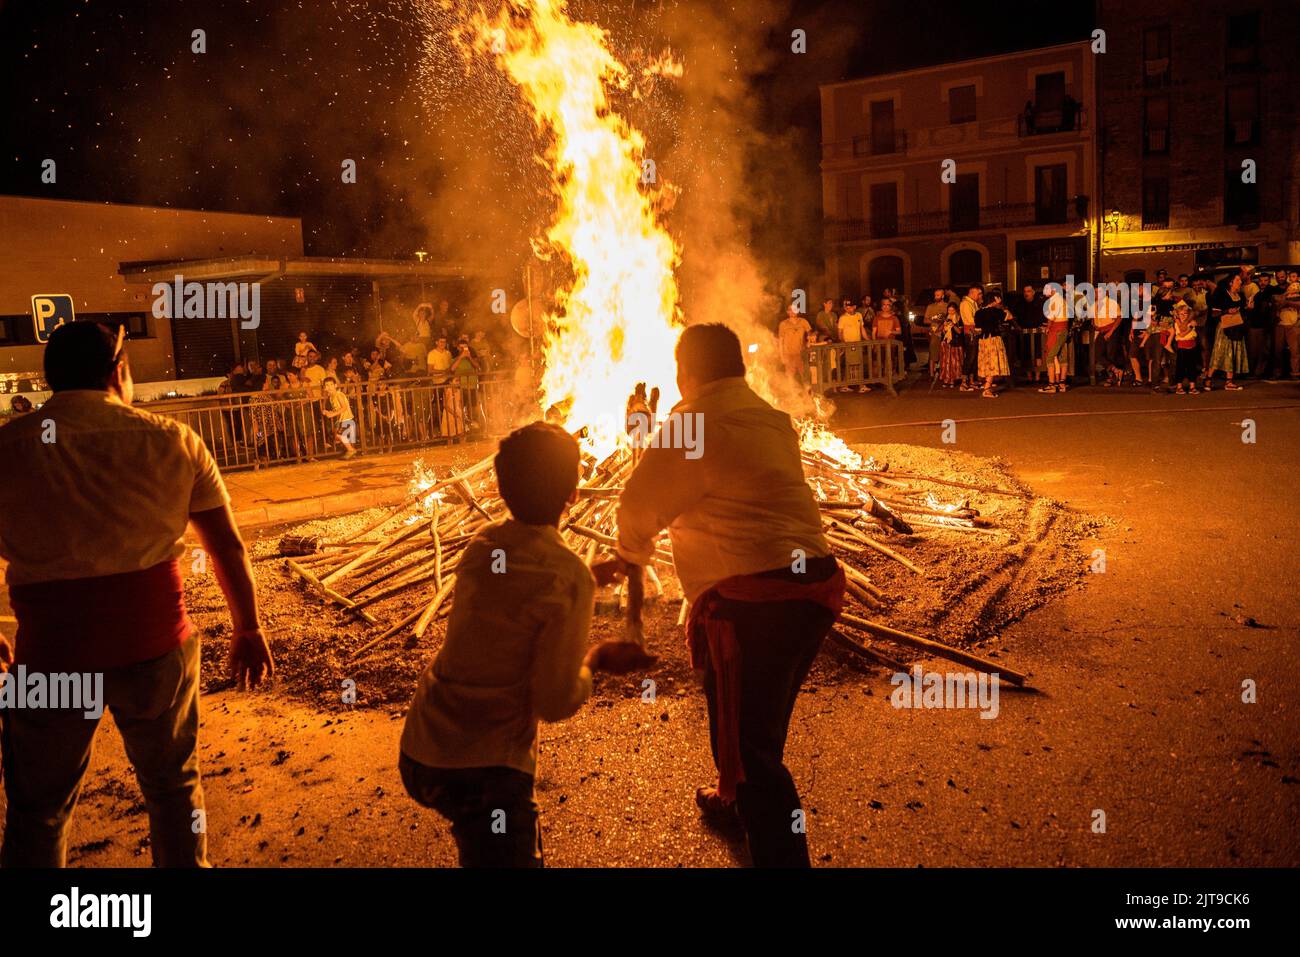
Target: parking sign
{"points": [[49, 311]]}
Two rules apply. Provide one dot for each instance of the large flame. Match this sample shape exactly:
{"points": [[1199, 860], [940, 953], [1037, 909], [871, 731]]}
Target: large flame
{"points": [[618, 319]]}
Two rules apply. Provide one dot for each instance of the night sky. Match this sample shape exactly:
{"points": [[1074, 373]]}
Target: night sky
{"points": [[112, 91]]}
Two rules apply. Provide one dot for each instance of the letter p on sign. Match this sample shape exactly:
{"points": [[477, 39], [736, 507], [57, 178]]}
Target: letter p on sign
{"points": [[49, 312]]}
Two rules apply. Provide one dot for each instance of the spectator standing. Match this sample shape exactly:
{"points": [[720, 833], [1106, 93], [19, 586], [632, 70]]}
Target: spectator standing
{"points": [[993, 362], [825, 323], [952, 346], [1187, 353], [852, 329], [423, 322], [1107, 341], [438, 361], [1056, 341], [314, 373], [336, 408], [1229, 355], [792, 338], [933, 320], [1286, 334], [969, 305], [302, 350]]}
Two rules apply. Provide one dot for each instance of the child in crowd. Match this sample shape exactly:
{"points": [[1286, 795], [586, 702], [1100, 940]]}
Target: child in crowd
{"points": [[301, 350], [335, 405], [513, 655], [1186, 349]]}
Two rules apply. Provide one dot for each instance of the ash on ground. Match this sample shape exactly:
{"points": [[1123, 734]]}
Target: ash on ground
{"points": [[974, 583]]}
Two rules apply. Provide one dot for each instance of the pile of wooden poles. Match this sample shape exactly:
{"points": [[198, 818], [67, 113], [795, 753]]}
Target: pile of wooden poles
{"points": [[418, 544]]}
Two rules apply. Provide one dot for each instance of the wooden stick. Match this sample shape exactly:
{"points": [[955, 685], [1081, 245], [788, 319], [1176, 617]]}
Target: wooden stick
{"points": [[934, 647], [865, 650], [475, 469], [889, 552], [435, 603], [386, 635], [991, 490], [329, 593]]}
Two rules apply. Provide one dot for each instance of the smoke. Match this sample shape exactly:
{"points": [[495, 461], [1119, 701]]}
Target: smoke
{"points": [[716, 135], [739, 187]]}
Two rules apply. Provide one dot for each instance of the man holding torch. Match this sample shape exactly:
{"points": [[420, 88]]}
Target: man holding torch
{"points": [[762, 584]]}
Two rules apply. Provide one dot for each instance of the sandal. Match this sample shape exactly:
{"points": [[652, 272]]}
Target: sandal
{"points": [[1048, 388], [989, 394], [1061, 387]]}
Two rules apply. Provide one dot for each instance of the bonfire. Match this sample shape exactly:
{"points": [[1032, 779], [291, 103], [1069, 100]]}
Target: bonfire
{"points": [[612, 333]]}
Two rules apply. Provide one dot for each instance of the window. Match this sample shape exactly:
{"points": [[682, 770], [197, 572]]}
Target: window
{"points": [[1242, 51], [1050, 201], [964, 202], [17, 331], [1155, 125], [137, 323], [882, 127], [1240, 200], [1155, 203], [961, 104], [1155, 56], [884, 209], [1241, 122], [965, 269]]}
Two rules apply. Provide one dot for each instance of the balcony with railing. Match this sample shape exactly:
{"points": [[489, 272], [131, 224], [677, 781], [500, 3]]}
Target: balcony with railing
{"points": [[1004, 130], [957, 220]]}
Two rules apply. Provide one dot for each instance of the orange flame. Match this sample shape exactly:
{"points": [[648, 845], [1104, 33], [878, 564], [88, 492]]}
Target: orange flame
{"points": [[618, 319]]}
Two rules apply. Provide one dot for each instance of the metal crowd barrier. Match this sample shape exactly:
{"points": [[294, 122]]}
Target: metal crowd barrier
{"points": [[255, 429], [835, 365], [1034, 342]]}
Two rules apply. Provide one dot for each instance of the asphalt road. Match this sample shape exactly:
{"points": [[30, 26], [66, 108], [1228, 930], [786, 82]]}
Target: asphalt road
{"points": [[1136, 711], [1138, 708]]}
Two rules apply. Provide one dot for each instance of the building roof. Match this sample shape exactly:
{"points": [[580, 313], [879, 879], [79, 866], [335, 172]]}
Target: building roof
{"points": [[948, 64], [268, 267]]}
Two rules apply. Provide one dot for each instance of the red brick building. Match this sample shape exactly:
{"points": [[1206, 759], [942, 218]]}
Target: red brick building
{"points": [[1188, 94]]}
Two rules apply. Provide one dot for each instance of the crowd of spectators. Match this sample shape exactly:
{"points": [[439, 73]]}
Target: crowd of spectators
{"points": [[1239, 324], [305, 403]]}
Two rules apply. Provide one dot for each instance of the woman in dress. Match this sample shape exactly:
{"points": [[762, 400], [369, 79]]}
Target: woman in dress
{"points": [[993, 363], [1229, 354], [952, 348]]}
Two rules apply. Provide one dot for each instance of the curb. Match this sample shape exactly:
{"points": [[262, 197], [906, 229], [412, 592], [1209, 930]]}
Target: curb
{"points": [[305, 509]]}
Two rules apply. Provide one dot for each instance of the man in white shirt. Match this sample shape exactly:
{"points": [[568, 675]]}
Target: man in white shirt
{"points": [[94, 507], [969, 305], [753, 562]]}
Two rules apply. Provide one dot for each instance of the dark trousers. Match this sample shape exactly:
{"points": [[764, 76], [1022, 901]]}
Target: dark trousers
{"points": [[778, 642], [492, 812], [155, 705]]}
